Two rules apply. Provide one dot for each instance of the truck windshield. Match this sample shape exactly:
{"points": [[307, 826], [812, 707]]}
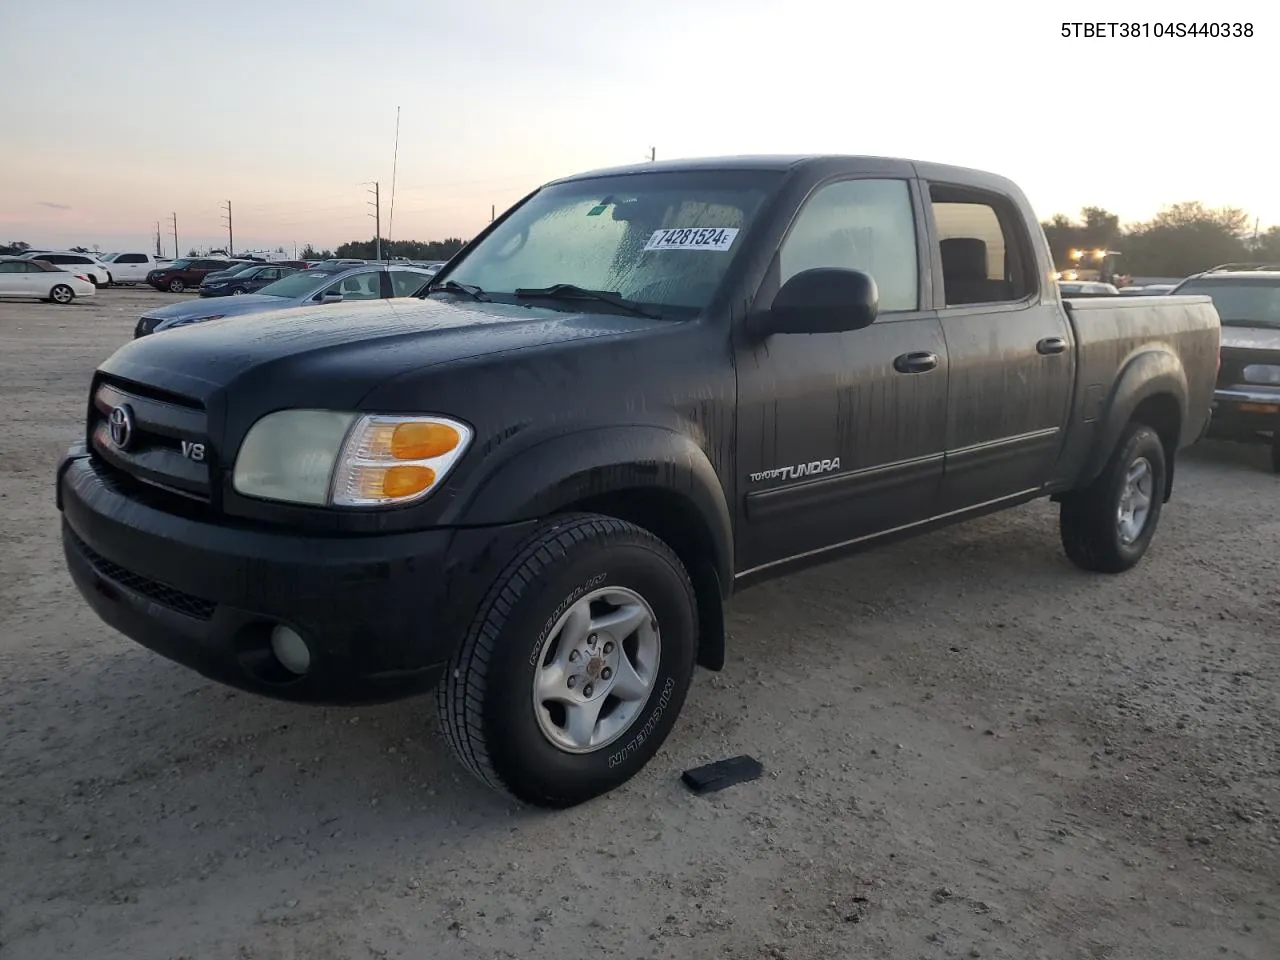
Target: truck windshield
{"points": [[1241, 303], [660, 240]]}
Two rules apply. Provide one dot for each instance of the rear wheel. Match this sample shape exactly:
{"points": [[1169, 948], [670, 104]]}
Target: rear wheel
{"points": [[1275, 451], [1108, 526], [176, 285], [576, 665], [62, 294]]}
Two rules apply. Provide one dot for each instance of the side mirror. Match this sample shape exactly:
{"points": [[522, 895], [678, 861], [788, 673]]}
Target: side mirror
{"points": [[330, 297], [823, 300]]}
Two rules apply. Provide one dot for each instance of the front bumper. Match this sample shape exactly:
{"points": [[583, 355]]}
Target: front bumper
{"points": [[1244, 413], [381, 614]]}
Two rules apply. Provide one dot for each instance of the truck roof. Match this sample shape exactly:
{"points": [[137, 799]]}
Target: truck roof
{"points": [[781, 162]]}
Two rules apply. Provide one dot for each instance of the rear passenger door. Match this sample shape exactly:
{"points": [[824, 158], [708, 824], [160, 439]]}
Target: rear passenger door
{"points": [[1010, 347]]}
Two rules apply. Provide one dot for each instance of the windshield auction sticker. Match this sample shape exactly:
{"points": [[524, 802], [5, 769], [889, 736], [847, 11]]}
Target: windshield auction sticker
{"points": [[693, 238]]}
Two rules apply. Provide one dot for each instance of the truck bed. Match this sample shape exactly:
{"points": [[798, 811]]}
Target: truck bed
{"points": [[1168, 335]]}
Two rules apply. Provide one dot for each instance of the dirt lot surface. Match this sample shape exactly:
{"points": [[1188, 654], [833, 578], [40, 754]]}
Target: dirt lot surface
{"points": [[972, 750]]}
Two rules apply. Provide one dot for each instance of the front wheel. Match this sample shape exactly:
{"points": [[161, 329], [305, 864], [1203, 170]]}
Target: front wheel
{"points": [[1108, 526], [1275, 451], [238, 291], [576, 665], [176, 285]]}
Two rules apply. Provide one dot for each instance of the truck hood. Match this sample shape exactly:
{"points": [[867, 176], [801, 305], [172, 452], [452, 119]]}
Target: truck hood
{"points": [[220, 306], [333, 355], [1250, 338]]}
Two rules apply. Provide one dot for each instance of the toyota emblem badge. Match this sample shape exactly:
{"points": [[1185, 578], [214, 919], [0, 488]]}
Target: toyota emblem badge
{"points": [[120, 422]]}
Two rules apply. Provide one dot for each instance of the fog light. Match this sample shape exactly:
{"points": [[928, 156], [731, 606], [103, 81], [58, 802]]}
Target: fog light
{"points": [[291, 650]]}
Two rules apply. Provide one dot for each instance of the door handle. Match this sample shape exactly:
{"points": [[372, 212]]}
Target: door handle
{"points": [[915, 362], [1051, 345]]}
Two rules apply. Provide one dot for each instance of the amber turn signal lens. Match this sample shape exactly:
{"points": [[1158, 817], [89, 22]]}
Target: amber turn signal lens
{"points": [[423, 441], [406, 481]]}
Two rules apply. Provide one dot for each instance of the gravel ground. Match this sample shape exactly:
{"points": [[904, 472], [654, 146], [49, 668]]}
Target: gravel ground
{"points": [[972, 750]]}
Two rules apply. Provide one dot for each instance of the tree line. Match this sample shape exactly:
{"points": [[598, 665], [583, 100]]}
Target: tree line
{"points": [[368, 249], [1180, 240]]}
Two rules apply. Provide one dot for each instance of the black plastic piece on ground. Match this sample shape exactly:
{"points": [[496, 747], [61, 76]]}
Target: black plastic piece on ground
{"points": [[723, 773]]}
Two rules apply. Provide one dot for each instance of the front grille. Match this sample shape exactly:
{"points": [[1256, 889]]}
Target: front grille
{"points": [[161, 593], [165, 443]]}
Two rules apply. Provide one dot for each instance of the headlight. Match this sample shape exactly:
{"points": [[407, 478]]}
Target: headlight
{"points": [[1262, 373], [328, 458]]}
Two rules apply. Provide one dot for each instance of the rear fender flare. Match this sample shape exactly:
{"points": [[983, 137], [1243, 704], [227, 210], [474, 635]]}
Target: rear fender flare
{"points": [[1147, 374]]}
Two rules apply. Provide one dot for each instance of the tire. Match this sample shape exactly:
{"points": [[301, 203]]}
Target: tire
{"points": [[571, 566], [1092, 522], [176, 285], [62, 294], [93, 278], [237, 291], [1275, 450]]}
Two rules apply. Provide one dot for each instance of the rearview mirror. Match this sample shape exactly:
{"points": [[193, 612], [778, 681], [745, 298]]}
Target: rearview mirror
{"points": [[823, 300]]}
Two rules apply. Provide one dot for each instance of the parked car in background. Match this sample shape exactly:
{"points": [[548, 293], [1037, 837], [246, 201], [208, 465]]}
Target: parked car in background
{"points": [[82, 264], [1087, 288], [38, 280], [183, 274], [132, 267], [240, 282], [305, 287], [237, 266], [1246, 402]]}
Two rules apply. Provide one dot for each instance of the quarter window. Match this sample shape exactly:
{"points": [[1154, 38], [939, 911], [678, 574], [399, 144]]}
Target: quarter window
{"points": [[863, 225], [984, 251]]}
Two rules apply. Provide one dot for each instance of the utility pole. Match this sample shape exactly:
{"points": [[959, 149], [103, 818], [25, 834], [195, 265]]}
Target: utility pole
{"points": [[231, 237], [377, 221], [653, 154], [176, 254], [159, 249], [493, 212]]}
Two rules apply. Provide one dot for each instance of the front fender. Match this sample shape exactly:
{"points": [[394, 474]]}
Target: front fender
{"points": [[557, 473], [1150, 373]]}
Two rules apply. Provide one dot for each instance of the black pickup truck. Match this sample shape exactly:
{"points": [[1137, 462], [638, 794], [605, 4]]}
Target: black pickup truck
{"points": [[634, 394]]}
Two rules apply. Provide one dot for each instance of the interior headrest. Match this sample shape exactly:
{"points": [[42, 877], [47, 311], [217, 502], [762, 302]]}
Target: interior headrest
{"points": [[964, 258]]}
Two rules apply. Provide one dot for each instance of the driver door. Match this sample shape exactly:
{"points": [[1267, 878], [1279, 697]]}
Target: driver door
{"points": [[841, 436]]}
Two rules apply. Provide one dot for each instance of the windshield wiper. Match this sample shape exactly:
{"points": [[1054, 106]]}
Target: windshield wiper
{"points": [[453, 286], [569, 291]]}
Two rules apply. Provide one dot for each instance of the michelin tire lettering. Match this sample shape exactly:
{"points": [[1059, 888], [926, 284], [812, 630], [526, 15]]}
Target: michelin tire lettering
{"points": [[575, 595], [638, 740], [797, 471]]}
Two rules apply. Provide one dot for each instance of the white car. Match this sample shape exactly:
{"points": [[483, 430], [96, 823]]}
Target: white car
{"points": [[35, 279], [84, 264], [133, 266]]}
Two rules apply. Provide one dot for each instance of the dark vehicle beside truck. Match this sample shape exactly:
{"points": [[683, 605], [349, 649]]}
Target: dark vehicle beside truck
{"points": [[185, 273], [636, 393], [1246, 402], [244, 281]]}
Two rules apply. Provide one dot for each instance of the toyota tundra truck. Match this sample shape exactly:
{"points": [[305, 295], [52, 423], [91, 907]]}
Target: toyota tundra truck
{"points": [[639, 391]]}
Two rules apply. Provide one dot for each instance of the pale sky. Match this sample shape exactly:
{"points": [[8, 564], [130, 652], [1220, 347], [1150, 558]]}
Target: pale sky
{"points": [[117, 114]]}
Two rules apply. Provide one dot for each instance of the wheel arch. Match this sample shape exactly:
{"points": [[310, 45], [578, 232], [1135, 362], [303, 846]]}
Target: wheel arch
{"points": [[1151, 388], [655, 477]]}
